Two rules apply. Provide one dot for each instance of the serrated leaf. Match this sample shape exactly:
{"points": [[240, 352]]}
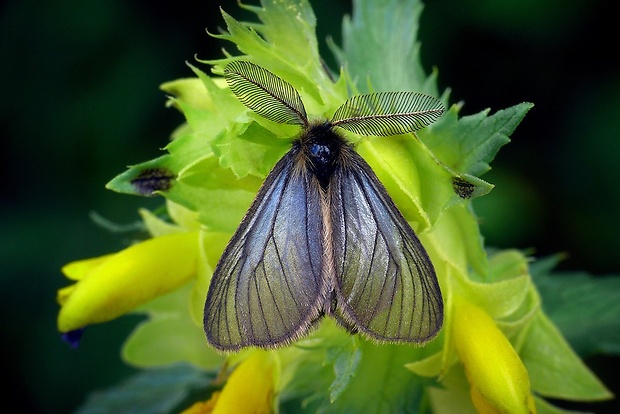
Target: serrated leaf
{"points": [[295, 60], [252, 151], [380, 46], [155, 391], [301, 41], [469, 144]]}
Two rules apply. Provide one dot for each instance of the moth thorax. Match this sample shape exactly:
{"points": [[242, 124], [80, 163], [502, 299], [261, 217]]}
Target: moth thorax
{"points": [[322, 146]]}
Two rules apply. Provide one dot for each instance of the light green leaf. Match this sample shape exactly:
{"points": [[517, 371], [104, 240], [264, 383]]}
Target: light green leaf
{"points": [[169, 335], [286, 44], [218, 195], [253, 151], [427, 367], [212, 245], [156, 226], [296, 20], [452, 396], [456, 242], [146, 179], [208, 107], [420, 187]]}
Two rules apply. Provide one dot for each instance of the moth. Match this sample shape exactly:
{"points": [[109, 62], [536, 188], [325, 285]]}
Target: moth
{"points": [[323, 237]]}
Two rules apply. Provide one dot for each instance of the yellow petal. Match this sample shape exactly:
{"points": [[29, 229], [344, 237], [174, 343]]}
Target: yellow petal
{"points": [[127, 279], [80, 268], [499, 380], [481, 405], [250, 388], [203, 407], [64, 293]]}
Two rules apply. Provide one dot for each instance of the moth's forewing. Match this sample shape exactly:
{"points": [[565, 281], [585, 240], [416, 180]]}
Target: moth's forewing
{"points": [[386, 285], [267, 287]]}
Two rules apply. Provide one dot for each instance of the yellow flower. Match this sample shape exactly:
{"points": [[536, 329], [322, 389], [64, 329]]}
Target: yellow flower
{"points": [[203, 407], [109, 286], [249, 389], [499, 382]]}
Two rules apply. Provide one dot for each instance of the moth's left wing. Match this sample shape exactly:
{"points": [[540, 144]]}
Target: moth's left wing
{"points": [[267, 289], [386, 285]]}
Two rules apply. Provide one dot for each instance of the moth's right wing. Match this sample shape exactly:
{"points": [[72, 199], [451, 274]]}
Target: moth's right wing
{"points": [[267, 287], [386, 286]]}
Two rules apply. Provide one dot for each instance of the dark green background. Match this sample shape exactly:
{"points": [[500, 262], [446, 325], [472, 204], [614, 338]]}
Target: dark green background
{"points": [[81, 101]]}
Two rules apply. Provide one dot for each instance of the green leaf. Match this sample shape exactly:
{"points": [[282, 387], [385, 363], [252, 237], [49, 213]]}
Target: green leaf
{"points": [[381, 383], [345, 359], [146, 179], [157, 226], [584, 308], [218, 195], [469, 144], [380, 47], [169, 335], [453, 395], [554, 368], [151, 391], [296, 60], [384, 52], [253, 151], [456, 242], [544, 407], [420, 187], [301, 41]]}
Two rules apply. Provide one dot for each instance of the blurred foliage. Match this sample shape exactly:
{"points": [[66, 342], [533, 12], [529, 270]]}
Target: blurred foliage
{"points": [[80, 81]]}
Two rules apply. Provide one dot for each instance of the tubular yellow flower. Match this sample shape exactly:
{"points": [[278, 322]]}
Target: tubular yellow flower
{"points": [[109, 286], [498, 379], [250, 388]]}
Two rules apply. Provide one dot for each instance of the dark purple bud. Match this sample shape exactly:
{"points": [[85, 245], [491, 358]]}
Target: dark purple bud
{"points": [[73, 337]]}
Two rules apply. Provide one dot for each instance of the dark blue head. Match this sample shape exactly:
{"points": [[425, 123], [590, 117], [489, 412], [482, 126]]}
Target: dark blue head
{"points": [[321, 146]]}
